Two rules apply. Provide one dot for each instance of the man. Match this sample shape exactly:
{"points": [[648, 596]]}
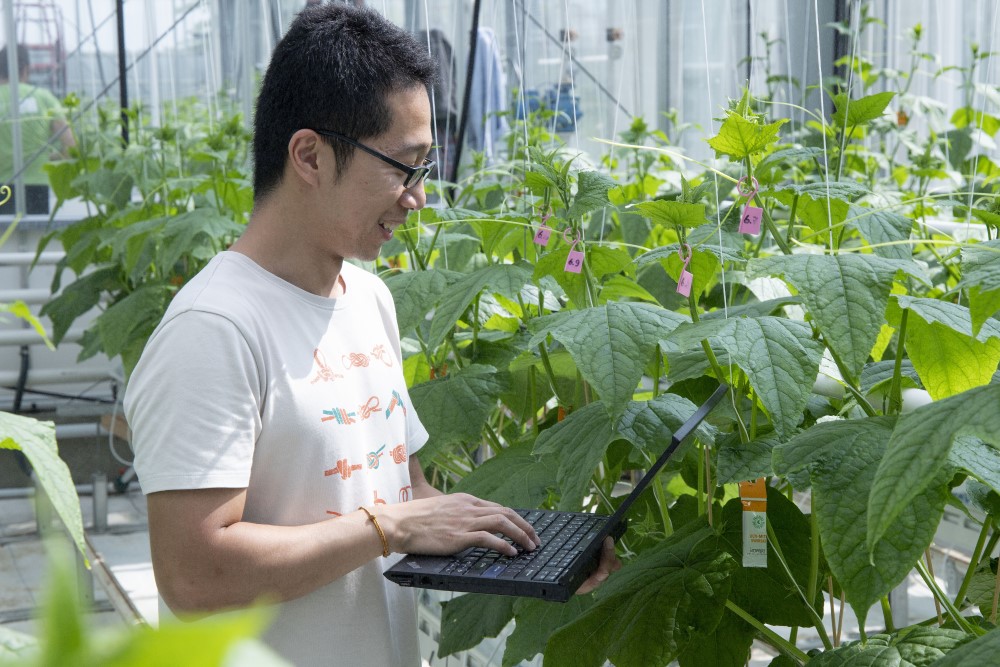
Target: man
{"points": [[273, 432], [44, 134]]}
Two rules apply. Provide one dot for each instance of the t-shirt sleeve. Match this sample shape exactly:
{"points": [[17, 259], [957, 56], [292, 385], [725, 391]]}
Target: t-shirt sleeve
{"points": [[193, 403]]}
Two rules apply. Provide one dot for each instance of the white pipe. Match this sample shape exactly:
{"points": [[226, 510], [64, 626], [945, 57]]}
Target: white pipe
{"points": [[28, 258], [36, 295], [26, 336], [57, 376]]}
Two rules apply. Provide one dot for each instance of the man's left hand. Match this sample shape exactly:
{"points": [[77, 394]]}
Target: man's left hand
{"points": [[609, 563]]}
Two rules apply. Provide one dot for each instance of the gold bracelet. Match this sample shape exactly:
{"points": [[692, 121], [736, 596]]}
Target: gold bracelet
{"points": [[385, 543]]}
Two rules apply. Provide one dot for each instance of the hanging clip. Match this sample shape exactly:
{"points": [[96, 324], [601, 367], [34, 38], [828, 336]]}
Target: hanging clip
{"points": [[6, 193], [686, 277], [750, 220], [574, 261], [544, 232]]}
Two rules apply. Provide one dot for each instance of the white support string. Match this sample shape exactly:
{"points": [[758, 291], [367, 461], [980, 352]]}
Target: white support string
{"points": [[822, 118], [788, 61], [634, 32], [979, 124], [572, 75], [715, 175]]}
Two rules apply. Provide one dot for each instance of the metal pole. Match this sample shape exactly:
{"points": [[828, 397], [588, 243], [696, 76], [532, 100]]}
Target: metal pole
{"points": [[13, 71], [122, 69], [460, 139]]}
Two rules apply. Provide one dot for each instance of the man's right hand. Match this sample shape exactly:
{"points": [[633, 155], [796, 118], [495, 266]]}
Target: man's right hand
{"points": [[447, 524]]}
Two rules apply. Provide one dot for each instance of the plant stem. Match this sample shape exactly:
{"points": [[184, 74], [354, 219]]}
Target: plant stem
{"points": [[930, 570], [960, 620], [895, 389], [791, 219], [816, 618], [813, 582], [772, 229], [887, 614], [769, 636], [656, 371], [977, 553], [550, 373]]}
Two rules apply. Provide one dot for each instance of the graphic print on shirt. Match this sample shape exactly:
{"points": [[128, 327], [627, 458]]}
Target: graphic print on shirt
{"points": [[354, 360], [324, 373], [404, 493], [342, 416], [398, 454], [374, 458], [397, 400], [343, 468], [379, 352]]}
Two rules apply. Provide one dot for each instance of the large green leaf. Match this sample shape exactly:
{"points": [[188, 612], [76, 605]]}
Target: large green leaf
{"points": [[415, 293], [591, 193], [779, 356], [536, 621], [845, 294], [727, 646], [610, 344], [515, 477], [504, 279], [579, 441], [844, 458], [980, 651], [199, 232], [842, 190], [132, 318], [454, 408], [939, 342], [601, 260], [650, 424], [919, 448], [766, 592], [860, 111], [739, 138], [881, 226], [469, 619], [740, 462], [672, 213], [981, 276], [977, 458], [78, 298], [722, 253], [653, 608], [915, 646], [37, 440]]}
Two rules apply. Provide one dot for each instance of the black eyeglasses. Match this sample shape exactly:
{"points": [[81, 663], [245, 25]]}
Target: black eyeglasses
{"points": [[414, 175]]}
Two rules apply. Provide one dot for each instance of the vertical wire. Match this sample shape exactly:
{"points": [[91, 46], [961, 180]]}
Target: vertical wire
{"points": [[855, 33], [982, 117], [788, 62], [715, 176], [572, 77], [562, 63], [633, 30], [822, 117]]}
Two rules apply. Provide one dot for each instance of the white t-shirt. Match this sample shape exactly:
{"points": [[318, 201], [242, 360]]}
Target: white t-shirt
{"points": [[250, 382]]}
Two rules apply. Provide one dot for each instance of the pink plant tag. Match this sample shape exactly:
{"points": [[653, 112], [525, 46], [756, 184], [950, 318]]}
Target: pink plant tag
{"points": [[750, 222], [542, 235], [684, 283], [686, 277], [574, 262]]}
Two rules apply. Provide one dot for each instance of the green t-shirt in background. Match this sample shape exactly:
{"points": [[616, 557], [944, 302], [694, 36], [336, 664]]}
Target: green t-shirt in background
{"points": [[37, 109]]}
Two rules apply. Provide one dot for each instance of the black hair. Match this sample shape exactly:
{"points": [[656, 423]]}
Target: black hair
{"points": [[23, 60], [334, 69]]}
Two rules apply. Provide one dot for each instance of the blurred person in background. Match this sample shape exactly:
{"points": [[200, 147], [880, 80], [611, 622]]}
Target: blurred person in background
{"points": [[44, 134]]}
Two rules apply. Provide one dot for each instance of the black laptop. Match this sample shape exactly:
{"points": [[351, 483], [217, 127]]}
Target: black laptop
{"points": [[570, 549]]}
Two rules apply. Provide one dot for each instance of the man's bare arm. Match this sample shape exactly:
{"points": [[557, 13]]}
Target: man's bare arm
{"points": [[206, 558]]}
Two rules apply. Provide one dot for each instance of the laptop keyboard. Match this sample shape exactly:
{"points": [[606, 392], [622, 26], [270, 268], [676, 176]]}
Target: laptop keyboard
{"points": [[564, 536]]}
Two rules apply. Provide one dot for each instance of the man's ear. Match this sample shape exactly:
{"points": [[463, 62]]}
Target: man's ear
{"points": [[303, 155]]}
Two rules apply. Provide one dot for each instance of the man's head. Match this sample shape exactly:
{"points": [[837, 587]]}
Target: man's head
{"points": [[23, 63], [334, 70]]}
